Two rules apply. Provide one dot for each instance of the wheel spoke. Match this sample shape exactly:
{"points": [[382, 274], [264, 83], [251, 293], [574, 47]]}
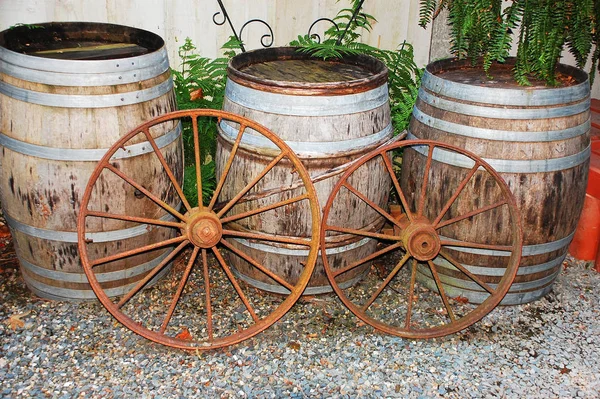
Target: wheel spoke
{"points": [[470, 214], [264, 209], [147, 193], [363, 233], [463, 269], [223, 177], [266, 170], [151, 275], [136, 219], [385, 283], [163, 162], [209, 322], [136, 251], [265, 237], [411, 293], [401, 196], [259, 266], [465, 244], [235, 284], [461, 186], [373, 205], [175, 300], [421, 204], [441, 290], [198, 161], [367, 258]]}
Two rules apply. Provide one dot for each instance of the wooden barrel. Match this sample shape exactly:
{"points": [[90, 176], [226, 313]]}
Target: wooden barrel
{"points": [[329, 113], [536, 137], [68, 91]]}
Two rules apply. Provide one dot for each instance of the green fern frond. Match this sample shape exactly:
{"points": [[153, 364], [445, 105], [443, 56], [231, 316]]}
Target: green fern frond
{"points": [[208, 75], [580, 33], [427, 9], [190, 184], [302, 41], [348, 29], [328, 49]]}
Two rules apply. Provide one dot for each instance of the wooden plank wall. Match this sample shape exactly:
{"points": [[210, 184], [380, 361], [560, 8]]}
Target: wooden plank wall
{"points": [[175, 20]]}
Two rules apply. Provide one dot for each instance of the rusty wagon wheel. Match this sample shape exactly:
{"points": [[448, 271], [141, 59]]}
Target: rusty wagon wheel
{"points": [[408, 287], [190, 297]]}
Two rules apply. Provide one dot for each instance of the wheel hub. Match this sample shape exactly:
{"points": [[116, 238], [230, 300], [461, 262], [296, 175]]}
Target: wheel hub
{"points": [[204, 229], [420, 239]]}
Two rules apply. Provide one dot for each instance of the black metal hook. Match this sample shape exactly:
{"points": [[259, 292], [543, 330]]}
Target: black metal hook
{"points": [[264, 40], [315, 35], [238, 37], [263, 37]]}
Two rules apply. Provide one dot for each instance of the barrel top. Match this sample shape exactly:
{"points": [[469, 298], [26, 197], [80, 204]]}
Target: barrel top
{"points": [[309, 71], [461, 80], [79, 41], [501, 76], [288, 71]]}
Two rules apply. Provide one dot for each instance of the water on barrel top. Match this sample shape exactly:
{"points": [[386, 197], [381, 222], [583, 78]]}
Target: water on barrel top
{"points": [[85, 50], [307, 71]]}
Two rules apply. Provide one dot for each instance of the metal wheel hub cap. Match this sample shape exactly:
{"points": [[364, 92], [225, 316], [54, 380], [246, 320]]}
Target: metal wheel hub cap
{"points": [[204, 229]]}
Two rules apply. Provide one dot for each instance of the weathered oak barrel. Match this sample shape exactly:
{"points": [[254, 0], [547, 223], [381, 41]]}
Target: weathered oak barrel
{"points": [[536, 137], [68, 91], [329, 112]]}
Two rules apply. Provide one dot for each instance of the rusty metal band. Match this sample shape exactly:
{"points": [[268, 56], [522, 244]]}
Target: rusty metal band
{"points": [[476, 294], [59, 293], [507, 165], [299, 252], [86, 101], [315, 290], [83, 73], [499, 271], [71, 236], [528, 250], [85, 154], [312, 149], [500, 135], [508, 97], [284, 104], [503, 113]]}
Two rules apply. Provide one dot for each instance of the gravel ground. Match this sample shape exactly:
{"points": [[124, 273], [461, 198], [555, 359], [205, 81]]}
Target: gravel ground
{"points": [[543, 349]]}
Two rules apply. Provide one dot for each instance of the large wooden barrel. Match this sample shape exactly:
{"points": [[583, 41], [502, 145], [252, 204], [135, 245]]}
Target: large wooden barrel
{"points": [[329, 113], [68, 91], [536, 137]]}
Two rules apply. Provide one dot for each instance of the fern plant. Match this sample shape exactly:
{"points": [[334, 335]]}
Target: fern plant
{"points": [[482, 29], [200, 83], [404, 76]]}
